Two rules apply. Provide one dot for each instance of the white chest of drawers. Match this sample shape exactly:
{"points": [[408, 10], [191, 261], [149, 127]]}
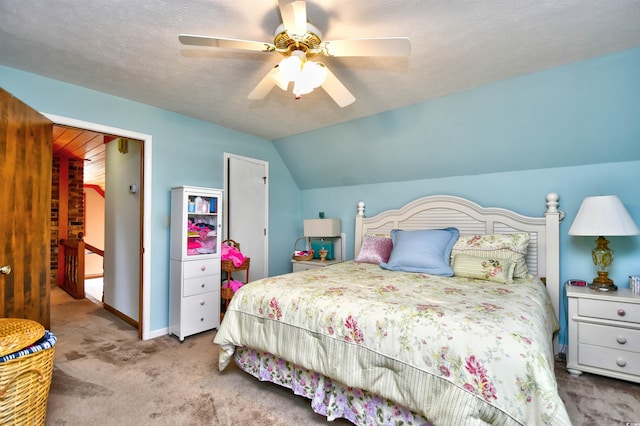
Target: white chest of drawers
{"points": [[604, 333], [194, 276], [195, 299]]}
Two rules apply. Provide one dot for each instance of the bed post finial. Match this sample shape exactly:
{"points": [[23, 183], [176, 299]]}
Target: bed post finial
{"points": [[361, 208], [552, 202]]}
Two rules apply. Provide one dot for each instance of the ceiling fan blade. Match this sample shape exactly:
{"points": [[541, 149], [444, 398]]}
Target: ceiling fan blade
{"points": [[279, 79], [338, 92], [294, 16], [387, 46], [266, 84], [226, 43]]}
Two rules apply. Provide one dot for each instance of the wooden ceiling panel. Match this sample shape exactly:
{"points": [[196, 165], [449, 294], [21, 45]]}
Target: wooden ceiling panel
{"points": [[94, 154], [86, 145]]}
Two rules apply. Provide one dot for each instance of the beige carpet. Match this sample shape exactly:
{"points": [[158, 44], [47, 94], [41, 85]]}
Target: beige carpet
{"points": [[104, 375]]}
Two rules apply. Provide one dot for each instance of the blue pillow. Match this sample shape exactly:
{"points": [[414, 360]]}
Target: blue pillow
{"points": [[426, 251]]}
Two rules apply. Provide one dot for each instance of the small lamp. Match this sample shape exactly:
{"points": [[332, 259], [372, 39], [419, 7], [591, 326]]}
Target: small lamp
{"points": [[600, 216]]}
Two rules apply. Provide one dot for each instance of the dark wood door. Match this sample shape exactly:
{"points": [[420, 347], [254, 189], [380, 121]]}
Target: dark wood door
{"points": [[25, 210]]}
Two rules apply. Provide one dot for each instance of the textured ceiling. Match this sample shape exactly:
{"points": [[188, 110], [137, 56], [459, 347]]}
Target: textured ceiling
{"points": [[130, 49]]}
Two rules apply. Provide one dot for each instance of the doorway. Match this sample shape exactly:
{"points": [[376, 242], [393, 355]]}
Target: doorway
{"points": [[88, 211], [246, 184], [93, 289], [144, 330]]}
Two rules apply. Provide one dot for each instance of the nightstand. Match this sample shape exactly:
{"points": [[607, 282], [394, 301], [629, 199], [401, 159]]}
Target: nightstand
{"points": [[305, 265], [604, 333], [339, 249]]}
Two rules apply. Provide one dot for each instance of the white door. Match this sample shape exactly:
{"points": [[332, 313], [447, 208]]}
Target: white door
{"points": [[246, 210], [122, 228]]}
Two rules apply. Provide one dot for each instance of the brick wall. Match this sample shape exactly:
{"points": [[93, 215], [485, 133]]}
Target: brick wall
{"points": [[76, 198], [75, 208]]}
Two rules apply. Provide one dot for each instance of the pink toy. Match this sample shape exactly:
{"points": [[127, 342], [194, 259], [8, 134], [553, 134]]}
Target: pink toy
{"points": [[234, 285], [233, 254]]}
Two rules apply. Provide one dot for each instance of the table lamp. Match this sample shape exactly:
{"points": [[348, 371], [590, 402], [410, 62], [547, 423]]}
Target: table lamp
{"points": [[598, 217]]}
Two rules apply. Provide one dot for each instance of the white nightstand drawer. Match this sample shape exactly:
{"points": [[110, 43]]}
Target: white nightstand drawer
{"points": [[201, 267], [613, 310], [201, 312], [610, 359], [201, 285], [306, 265], [298, 267], [617, 338]]}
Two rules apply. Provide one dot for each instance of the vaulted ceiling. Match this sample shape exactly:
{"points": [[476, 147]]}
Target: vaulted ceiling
{"points": [[130, 49]]}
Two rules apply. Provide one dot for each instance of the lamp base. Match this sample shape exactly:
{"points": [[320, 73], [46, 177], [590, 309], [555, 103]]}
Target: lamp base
{"points": [[602, 282], [603, 286]]}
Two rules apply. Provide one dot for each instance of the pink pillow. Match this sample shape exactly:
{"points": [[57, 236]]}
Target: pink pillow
{"points": [[375, 249]]}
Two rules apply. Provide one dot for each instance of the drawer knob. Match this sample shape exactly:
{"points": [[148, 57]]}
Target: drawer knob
{"points": [[201, 319], [202, 285], [202, 303], [621, 339], [621, 312], [621, 362], [204, 268]]}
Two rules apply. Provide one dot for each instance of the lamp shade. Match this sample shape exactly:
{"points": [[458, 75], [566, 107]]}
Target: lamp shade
{"points": [[322, 227], [603, 216]]}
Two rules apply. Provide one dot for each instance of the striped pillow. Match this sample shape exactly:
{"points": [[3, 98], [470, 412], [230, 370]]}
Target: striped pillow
{"points": [[498, 270], [512, 247]]}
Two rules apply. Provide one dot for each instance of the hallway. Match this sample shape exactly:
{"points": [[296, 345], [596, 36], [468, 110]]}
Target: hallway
{"points": [[93, 289]]}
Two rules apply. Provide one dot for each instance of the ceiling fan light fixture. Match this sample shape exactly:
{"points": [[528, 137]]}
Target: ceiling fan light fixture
{"points": [[306, 75], [313, 74], [299, 41], [291, 65]]}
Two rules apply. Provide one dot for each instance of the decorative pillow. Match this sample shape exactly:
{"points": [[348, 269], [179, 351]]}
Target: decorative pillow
{"points": [[426, 251], [375, 249], [511, 247], [498, 270]]}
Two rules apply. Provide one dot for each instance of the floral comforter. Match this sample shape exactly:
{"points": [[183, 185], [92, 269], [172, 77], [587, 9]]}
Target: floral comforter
{"points": [[454, 350]]}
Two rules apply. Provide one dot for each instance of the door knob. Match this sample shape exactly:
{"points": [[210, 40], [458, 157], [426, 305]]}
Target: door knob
{"points": [[6, 269]]}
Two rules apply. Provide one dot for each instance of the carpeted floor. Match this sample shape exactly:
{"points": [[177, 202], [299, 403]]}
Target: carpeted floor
{"points": [[104, 375]]}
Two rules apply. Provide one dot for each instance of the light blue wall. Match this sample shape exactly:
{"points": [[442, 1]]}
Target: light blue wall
{"points": [[574, 130], [185, 152], [582, 113], [523, 192]]}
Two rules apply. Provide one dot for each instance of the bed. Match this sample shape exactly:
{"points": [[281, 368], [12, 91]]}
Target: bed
{"points": [[392, 344]]}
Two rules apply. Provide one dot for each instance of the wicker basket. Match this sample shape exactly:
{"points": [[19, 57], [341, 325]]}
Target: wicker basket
{"points": [[25, 376], [226, 293], [16, 334], [308, 253], [228, 266]]}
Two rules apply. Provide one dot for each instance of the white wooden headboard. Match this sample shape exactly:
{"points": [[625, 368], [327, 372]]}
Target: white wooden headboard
{"points": [[440, 211]]}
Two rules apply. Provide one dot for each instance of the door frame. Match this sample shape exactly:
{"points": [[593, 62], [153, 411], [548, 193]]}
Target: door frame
{"points": [[145, 315], [226, 157]]}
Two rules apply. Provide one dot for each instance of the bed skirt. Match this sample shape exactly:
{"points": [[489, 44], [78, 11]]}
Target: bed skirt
{"points": [[328, 397]]}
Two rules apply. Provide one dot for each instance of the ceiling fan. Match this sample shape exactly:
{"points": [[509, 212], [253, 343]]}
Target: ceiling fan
{"points": [[298, 41]]}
